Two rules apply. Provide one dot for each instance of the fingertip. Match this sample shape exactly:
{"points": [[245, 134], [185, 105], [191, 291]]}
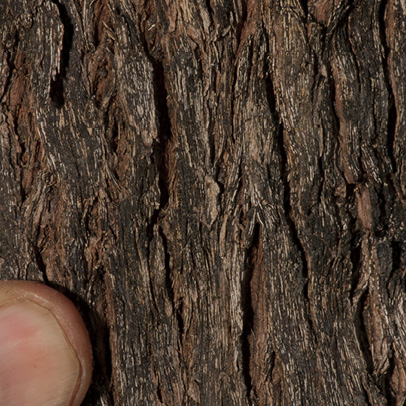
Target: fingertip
{"points": [[66, 316]]}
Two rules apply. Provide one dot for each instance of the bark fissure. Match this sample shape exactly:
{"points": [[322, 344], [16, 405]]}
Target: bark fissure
{"points": [[161, 149], [269, 88], [289, 217], [355, 248], [287, 203], [366, 396], [304, 5], [387, 380], [164, 132], [176, 306], [102, 355], [362, 334], [285, 171], [248, 309], [159, 390], [242, 22], [333, 109], [23, 150], [209, 7], [392, 113], [39, 260], [57, 88], [396, 256], [10, 61]]}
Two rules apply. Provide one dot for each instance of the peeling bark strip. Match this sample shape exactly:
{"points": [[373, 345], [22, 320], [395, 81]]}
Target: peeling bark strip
{"points": [[220, 186]]}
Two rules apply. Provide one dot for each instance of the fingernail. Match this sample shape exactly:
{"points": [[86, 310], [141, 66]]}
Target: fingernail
{"points": [[39, 365]]}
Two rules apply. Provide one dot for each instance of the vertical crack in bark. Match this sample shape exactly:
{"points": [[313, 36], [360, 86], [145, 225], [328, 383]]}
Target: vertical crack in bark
{"points": [[355, 248], [254, 262], [209, 8], [392, 110], [242, 22], [161, 147], [102, 359], [176, 307], [304, 5], [355, 257], [271, 98], [397, 255], [57, 90], [23, 151], [289, 210], [163, 160], [41, 264], [354, 229], [289, 216], [386, 384], [107, 360], [336, 125], [392, 118], [11, 53], [366, 396], [114, 131], [386, 195], [362, 334], [159, 390], [162, 155]]}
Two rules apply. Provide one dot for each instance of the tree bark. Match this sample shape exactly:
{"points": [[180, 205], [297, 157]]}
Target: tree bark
{"points": [[220, 186]]}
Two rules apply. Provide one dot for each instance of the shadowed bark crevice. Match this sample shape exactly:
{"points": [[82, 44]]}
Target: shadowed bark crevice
{"points": [[12, 40], [23, 151], [361, 330], [159, 390], [356, 262], [209, 7], [102, 360], [57, 87], [386, 385], [162, 152], [304, 5], [39, 260], [355, 246], [397, 255], [254, 263], [285, 180], [242, 22], [366, 396], [392, 113], [289, 211], [285, 173], [177, 306], [333, 97]]}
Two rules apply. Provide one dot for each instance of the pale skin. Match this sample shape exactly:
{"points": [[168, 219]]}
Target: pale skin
{"points": [[45, 351]]}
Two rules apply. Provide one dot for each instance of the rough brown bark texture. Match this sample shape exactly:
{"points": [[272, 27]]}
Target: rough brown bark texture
{"points": [[220, 186]]}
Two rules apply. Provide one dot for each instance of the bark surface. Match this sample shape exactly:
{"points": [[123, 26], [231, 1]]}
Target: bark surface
{"points": [[220, 186]]}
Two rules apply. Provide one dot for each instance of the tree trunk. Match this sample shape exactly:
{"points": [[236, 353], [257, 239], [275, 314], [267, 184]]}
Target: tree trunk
{"points": [[220, 186]]}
